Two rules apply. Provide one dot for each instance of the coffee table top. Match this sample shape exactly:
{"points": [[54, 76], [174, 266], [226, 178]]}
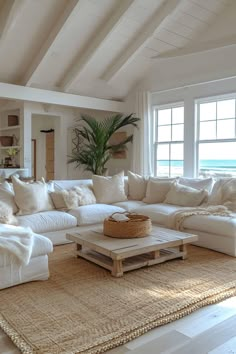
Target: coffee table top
{"points": [[123, 248]]}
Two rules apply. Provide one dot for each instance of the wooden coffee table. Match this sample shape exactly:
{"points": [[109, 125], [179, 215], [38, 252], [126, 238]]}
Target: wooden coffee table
{"points": [[122, 255]]}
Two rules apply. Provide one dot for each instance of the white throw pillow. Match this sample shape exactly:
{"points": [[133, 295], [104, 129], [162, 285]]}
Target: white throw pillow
{"points": [[109, 190], [31, 197], [222, 189], [85, 194], [6, 214], [137, 186], [7, 196], [185, 196], [157, 190], [197, 183]]}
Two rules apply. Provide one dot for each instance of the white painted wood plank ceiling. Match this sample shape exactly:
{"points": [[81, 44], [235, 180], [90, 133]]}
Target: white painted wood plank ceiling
{"points": [[100, 48]]}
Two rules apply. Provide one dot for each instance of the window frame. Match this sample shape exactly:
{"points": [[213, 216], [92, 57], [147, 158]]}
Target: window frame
{"points": [[211, 99], [170, 105]]}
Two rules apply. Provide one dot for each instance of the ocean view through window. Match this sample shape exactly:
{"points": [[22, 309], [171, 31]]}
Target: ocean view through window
{"points": [[217, 137]]}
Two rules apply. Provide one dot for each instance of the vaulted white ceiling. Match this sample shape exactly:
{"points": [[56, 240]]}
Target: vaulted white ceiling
{"points": [[102, 48]]}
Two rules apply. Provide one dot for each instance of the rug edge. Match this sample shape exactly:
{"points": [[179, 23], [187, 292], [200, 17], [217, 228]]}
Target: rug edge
{"points": [[25, 348], [16, 338], [122, 339]]}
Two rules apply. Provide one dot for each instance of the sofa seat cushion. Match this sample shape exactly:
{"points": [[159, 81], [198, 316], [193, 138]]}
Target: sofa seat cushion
{"points": [[130, 205], [94, 213], [47, 221], [41, 246], [158, 213], [212, 224]]}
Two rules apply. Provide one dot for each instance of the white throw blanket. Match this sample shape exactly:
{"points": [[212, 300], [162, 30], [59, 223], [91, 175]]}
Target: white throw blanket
{"points": [[16, 243], [177, 218]]}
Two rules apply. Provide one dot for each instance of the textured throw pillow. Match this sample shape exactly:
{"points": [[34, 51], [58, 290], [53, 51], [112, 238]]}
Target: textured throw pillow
{"points": [[137, 186], [6, 215], [109, 190], [85, 194], [31, 197], [157, 190], [197, 183], [71, 199], [7, 196], [185, 196]]}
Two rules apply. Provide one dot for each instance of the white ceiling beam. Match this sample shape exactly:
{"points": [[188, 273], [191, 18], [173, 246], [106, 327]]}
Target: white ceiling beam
{"points": [[198, 47], [141, 39], [45, 50], [23, 93], [83, 60], [8, 15]]}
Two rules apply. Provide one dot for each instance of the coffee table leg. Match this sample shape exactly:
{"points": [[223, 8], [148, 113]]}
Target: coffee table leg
{"points": [[117, 269], [183, 248], [78, 247], [155, 254]]}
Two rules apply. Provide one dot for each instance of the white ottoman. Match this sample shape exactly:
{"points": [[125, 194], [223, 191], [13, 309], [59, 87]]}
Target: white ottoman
{"points": [[37, 269]]}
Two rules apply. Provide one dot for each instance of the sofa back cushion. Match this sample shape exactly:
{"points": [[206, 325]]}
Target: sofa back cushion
{"points": [[185, 196], [31, 197], [157, 190], [70, 183], [109, 190], [197, 183], [137, 186]]}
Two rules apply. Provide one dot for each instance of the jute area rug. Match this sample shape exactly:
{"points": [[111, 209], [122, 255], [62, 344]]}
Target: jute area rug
{"points": [[83, 309]]}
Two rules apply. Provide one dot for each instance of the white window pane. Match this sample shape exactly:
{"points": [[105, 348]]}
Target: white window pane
{"points": [[207, 130], [226, 109], [176, 168], [226, 129], [177, 115], [163, 152], [177, 152], [164, 133], [178, 132], [164, 116], [208, 111], [163, 168], [217, 159]]}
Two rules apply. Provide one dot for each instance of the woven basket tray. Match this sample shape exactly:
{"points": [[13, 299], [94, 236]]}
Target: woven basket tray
{"points": [[136, 226]]}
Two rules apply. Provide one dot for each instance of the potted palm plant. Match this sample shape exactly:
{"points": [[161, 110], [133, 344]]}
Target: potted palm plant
{"points": [[93, 148]]}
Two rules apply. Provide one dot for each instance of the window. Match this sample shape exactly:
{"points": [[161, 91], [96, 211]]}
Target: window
{"points": [[217, 137], [169, 140]]}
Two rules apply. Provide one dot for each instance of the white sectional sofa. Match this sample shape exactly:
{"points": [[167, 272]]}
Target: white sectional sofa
{"points": [[216, 232]]}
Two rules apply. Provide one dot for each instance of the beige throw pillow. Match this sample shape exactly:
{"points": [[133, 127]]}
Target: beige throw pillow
{"points": [[58, 200], [109, 190], [185, 196], [85, 195], [157, 190], [137, 186], [31, 197]]}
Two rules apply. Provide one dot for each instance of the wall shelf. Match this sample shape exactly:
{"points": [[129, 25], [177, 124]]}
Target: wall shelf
{"points": [[8, 147], [10, 128]]}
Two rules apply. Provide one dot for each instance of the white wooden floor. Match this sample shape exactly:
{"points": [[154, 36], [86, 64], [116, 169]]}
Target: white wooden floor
{"points": [[211, 330]]}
